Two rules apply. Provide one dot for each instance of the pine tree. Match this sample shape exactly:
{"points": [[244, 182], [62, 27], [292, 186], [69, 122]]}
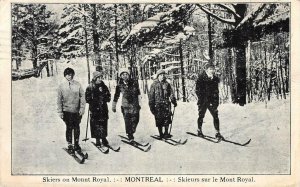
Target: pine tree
{"points": [[71, 32], [31, 25]]}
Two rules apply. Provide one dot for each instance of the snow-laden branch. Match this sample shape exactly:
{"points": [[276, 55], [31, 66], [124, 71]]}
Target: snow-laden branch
{"points": [[25, 38], [274, 18], [230, 8], [252, 15], [224, 20], [157, 27], [81, 12], [168, 63], [47, 31]]}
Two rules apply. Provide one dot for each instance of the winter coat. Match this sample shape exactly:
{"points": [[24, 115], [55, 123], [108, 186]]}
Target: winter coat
{"points": [[160, 97], [97, 95], [207, 89], [70, 97], [130, 96]]}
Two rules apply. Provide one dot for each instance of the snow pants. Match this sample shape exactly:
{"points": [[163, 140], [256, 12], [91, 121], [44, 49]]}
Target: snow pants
{"points": [[72, 121], [131, 121], [98, 127], [213, 109]]}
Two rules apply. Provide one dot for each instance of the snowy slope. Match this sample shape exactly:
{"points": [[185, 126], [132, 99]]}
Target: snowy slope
{"points": [[38, 135]]}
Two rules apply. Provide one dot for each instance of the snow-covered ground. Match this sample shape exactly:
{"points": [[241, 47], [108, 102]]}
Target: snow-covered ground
{"points": [[38, 135]]}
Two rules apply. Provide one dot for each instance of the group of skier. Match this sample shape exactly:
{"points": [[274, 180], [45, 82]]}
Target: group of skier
{"points": [[72, 99]]}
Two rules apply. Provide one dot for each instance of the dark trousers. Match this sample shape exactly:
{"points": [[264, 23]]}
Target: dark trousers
{"points": [[98, 127], [163, 117], [72, 121], [213, 109], [163, 114], [131, 121], [160, 129]]}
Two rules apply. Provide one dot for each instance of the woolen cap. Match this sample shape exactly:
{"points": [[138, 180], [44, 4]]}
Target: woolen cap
{"points": [[96, 74], [123, 70], [160, 71], [209, 65]]}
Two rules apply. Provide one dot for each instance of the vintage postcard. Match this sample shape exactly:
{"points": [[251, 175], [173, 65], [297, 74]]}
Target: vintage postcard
{"points": [[149, 93]]}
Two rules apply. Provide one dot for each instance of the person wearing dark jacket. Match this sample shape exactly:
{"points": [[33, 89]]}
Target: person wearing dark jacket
{"points": [[70, 107], [160, 98], [130, 102], [98, 95], [207, 91]]}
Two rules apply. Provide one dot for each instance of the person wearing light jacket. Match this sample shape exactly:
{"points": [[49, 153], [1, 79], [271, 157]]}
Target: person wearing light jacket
{"points": [[130, 102], [70, 107]]}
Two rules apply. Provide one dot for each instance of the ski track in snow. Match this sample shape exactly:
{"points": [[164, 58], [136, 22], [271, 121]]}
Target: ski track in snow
{"points": [[38, 135]]}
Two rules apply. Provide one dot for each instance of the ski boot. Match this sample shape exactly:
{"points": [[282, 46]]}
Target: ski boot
{"points": [[131, 138], [105, 142], [200, 134], [219, 136], [98, 144], [70, 148], [77, 148], [167, 135], [161, 135]]}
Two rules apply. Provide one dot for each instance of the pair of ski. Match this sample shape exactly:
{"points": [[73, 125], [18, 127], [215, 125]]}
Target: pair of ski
{"points": [[143, 147], [215, 140], [170, 140], [80, 159], [105, 148]]}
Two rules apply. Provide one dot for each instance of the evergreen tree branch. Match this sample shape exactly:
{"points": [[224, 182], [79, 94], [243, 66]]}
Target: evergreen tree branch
{"points": [[229, 21], [230, 9]]}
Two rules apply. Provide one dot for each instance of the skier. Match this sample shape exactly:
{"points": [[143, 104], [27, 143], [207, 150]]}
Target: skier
{"points": [[130, 102], [208, 97], [98, 95], [71, 106], [160, 98]]}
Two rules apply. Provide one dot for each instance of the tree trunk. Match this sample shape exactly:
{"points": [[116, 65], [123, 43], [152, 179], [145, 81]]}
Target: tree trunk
{"points": [[240, 96], [210, 51], [96, 38], [286, 68], [110, 66], [116, 42], [34, 56], [182, 71], [86, 47], [47, 69], [230, 73], [19, 54], [281, 74]]}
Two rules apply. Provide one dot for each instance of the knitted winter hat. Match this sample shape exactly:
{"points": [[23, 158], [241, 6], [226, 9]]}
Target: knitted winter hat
{"points": [[160, 71], [123, 70], [209, 65], [96, 74]]}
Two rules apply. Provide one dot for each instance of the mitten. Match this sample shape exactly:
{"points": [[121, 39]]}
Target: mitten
{"points": [[175, 104]]}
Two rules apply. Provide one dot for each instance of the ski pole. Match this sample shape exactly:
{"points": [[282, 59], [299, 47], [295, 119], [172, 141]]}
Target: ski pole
{"points": [[172, 120], [87, 126]]}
